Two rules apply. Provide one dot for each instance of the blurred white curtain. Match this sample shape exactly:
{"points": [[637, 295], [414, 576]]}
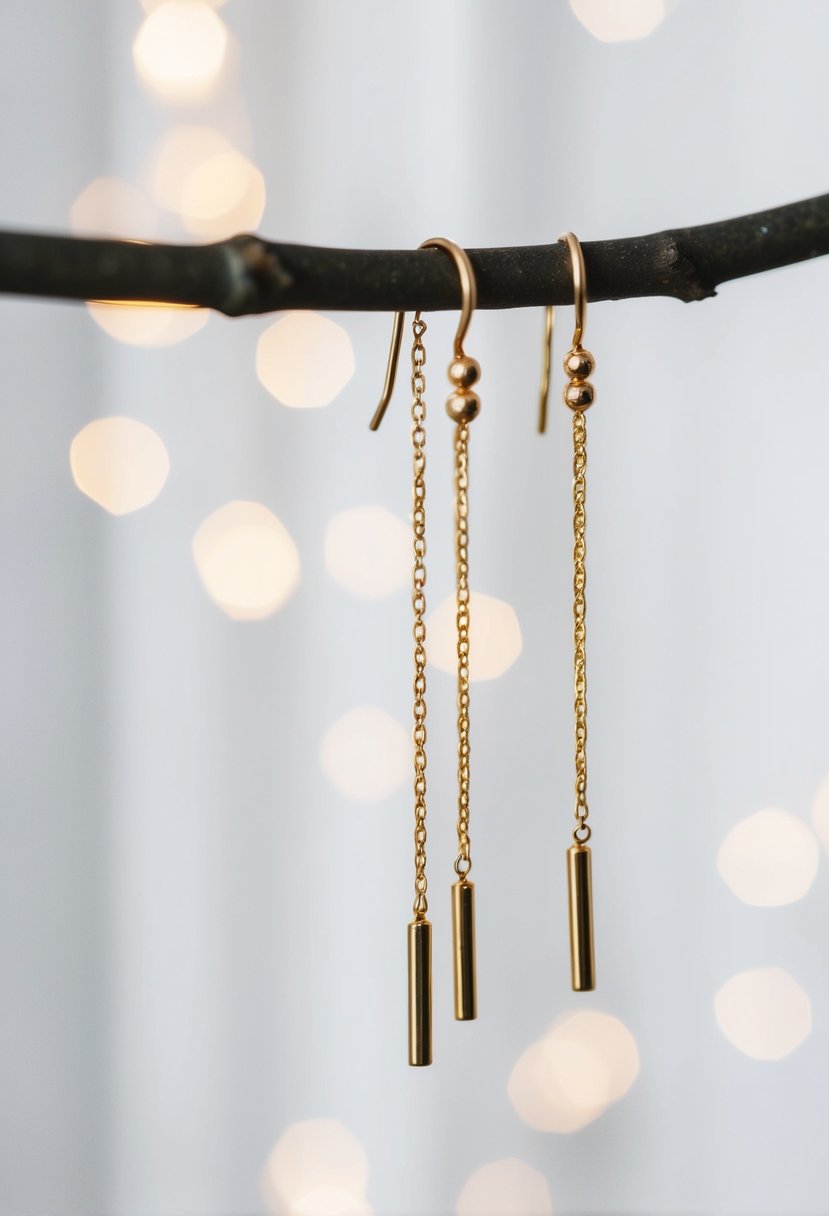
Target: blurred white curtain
{"points": [[202, 940]]}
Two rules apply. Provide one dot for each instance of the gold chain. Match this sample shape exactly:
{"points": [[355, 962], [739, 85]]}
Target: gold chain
{"points": [[463, 862], [581, 832], [420, 906]]}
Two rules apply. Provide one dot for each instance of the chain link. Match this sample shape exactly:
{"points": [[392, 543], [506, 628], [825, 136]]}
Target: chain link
{"points": [[463, 862], [420, 906], [581, 832]]}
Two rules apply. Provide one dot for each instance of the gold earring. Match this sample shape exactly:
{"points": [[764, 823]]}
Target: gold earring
{"points": [[462, 406], [420, 928], [579, 395]]}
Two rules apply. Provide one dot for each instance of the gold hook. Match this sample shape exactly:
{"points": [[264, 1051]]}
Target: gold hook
{"points": [[544, 390], [391, 370], [469, 300], [579, 284], [580, 301]]}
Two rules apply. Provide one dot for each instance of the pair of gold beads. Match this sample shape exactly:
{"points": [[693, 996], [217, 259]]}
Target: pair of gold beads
{"points": [[579, 392], [463, 404]]}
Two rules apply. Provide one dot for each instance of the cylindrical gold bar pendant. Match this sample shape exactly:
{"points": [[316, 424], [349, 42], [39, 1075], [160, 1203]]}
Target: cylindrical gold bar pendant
{"points": [[580, 890], [463, 937], [420, 992]]}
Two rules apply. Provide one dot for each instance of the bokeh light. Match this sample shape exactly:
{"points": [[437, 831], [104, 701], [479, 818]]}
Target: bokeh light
{"points": [[610, 1046], [317, 1168], [366, 754], [537, 1098], [769, 859], [304, 360], [223, 195], [368, 551], [584, 1063], [247, 560], [820, 813], [764, 1013], [119, 463], [329, 1201], [149, 5], [198, 174], [180, 50], [178, 154], [619, 20], [494, 636], [147, 324], [505, 1188], [109, 206]]}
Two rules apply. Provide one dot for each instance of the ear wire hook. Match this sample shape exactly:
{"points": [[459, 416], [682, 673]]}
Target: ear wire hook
{"points": [[579, 284], [469, 301], [544, 390], [391, 370], [580, 301]]}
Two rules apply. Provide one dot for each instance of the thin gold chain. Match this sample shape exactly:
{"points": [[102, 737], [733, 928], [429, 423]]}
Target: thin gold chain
{"points": [[463, 862], [581, 832], [420, 906]]}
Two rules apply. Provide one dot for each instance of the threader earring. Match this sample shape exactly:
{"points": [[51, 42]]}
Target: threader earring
{"points": [[579, 395], [462, 406], [420, 928]]}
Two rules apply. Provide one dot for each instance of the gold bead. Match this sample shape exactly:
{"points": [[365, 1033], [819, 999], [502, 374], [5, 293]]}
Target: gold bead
{"points": [[464, 371], [579, 363], [579, 394], [463, 405]]}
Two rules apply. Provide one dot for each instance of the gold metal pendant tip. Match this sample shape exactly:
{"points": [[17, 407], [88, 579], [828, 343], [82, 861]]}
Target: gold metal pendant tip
{"points": [[580, 892], [463, 939], [420, 992]]}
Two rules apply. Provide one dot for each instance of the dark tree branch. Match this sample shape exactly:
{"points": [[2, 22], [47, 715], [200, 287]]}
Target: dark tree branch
{"points": [[246, 274]]}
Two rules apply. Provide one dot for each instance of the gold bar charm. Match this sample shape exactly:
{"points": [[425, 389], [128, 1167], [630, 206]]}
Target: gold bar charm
{"points": [[420, 992], [580, 891], [463, 937]]}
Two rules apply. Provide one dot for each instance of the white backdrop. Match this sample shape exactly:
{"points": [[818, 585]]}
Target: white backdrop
{"points": [[203, 939]]}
